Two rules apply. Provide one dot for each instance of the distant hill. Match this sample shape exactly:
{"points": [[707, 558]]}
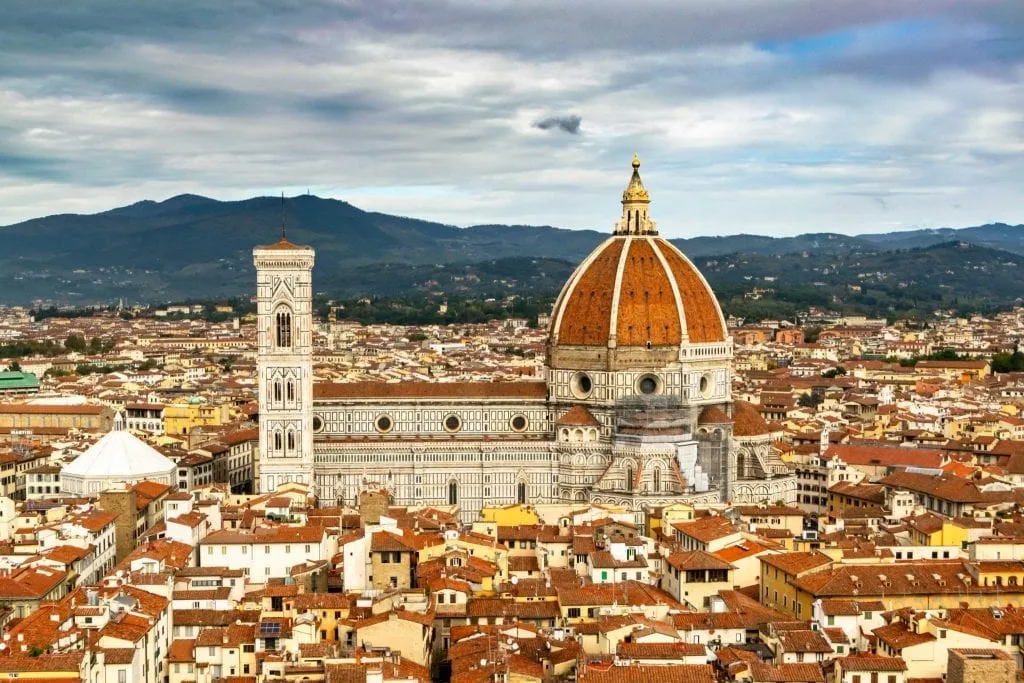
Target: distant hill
{"points": [[195, 247]]}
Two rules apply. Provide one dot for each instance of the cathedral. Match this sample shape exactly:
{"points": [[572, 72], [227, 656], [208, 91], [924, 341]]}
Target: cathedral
{"points": [[635, 408]]}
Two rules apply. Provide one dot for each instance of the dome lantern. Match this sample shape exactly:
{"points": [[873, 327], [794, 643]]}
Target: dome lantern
{"points": [[636, 219]]}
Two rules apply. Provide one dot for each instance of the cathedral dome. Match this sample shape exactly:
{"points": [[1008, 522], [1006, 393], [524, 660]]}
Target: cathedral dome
{"points": [[636, 290]]}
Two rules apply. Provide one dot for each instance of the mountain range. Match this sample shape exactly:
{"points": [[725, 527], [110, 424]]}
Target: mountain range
{"points": [[193, 247]]}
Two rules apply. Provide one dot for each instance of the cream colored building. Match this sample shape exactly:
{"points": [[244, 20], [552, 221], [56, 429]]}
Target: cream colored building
{"points": [[635, 409]]}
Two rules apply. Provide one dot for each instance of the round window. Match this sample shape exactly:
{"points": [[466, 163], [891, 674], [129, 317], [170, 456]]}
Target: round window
{"points": [[519, 423], [452, 423], [705, 386], [384, 424], [582, 385], [318, 423], [648, 385]]}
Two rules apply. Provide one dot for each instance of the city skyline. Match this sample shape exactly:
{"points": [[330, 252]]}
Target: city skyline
{"points": [[756, 118]]}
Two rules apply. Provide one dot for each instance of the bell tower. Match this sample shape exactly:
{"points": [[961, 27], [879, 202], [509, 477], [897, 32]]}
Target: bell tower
{"points": [[284, 296]]}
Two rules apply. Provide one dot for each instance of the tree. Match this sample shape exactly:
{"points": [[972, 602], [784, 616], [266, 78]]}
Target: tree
{"points": [[1008, 362], [95, 345], [811, 400], [75, 342], [834, 372], [811, 335], [15, 366]]}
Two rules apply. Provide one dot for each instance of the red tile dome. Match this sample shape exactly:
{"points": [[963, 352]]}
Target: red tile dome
{"points": [[636, 289]]}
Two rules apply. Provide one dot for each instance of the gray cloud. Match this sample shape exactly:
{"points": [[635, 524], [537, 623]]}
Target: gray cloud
{"points": [[749, 116], [569, 123]]}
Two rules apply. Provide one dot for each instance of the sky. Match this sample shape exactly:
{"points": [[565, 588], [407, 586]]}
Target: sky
{"points": [[773, 117]]}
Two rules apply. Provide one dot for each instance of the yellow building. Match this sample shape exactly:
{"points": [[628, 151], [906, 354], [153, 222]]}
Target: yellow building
{"points": [[793, 582], [184, 418], [476, 545], [509, 515], [930, 529], [42, 419]]}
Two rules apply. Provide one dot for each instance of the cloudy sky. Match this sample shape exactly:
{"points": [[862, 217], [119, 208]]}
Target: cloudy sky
{"points": [[763, 116]]}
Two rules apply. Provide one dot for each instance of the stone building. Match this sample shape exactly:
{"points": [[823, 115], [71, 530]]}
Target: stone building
{"points": [[635, 409]]}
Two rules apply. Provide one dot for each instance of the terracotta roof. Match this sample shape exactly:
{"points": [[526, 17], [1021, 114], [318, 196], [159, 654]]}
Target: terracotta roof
{"points": [[284, 245], [47, 409], [871, 662], [713, 415], [797, 563], [747, 420], [646, 272], [898, 637], [696, 560], [785, 673], [885, 456], [663, 673], [578, 416]]}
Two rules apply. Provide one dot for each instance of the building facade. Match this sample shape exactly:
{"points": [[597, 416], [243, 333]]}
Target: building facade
{"points": [[635, 408]]}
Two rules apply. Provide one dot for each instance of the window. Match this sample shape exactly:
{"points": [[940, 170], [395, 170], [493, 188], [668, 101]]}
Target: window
{"points": [[308, 548], [278, 441], [521, 493], [122, 676], [574, 612], [657, 480], [453, 493], [452, 423], [283, 325], [629, 478], [291, 390], [277, 390], [291, 441]]}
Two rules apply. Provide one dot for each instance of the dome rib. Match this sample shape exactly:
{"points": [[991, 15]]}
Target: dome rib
{"points": [[704, 321], [647, 306], [636, 290], [584, 318]]}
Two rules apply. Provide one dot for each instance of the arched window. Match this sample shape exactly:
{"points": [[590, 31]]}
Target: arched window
{"points": [[453, 493], [291, 441], [629, 478], [283, 329], [291, 390], [277, 390], [521, 492], [278, 441], [657, 480]]}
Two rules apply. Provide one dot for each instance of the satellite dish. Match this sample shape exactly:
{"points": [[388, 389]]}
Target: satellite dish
{"points": [[515, 580]]}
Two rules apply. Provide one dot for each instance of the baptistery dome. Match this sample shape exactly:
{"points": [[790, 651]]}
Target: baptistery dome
{"points": [[636, 291]]}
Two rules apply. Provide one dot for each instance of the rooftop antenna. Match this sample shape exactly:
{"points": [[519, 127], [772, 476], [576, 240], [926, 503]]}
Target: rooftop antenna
{"points": [[284, 227]]}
